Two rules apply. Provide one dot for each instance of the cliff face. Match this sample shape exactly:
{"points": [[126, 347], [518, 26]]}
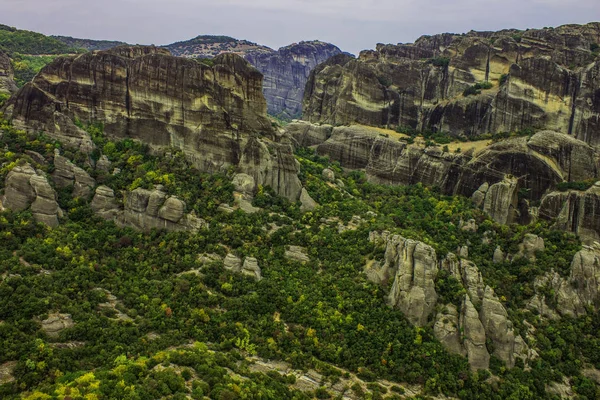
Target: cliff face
{"points": [[286, 72], [492, 174], [7, 76], [215, 115], [541, 78]]}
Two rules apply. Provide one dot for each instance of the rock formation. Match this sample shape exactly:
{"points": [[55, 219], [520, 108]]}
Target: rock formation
{"points": [[574, 211], [492, 176], [215, 114], [146, 209], [249, 267], [25, 188], [413, 267], [68, 174], [286, 72], [574, 295], [7, 76], [540, 78]]}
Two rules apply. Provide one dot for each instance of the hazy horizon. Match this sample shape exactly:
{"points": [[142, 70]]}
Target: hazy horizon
{"points": [[352, 25]]}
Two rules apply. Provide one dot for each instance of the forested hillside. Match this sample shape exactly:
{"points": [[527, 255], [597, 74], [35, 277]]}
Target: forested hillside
{"points": [[93, 310]]}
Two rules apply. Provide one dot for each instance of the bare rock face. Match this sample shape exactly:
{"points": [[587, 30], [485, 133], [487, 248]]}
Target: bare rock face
{"points": [[501, 201], [244, 184], [464, 330], [7, 75], [492, 176], [232, 262], [145, 210], [68, 174], [25, 188], [286, 72], [413, 266], [306, 134], [251, 268], [530, 245], [297, 253], [574, 211], [308, 204], [540, 78], [55, 323], [215, 115]]}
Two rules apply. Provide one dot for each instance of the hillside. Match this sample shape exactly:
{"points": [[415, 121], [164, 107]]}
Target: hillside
{"points": [[208, 46], [161, 237], [88, 44]]}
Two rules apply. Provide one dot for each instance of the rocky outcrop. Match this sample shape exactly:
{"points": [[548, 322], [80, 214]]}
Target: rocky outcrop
{"points": [[25, 188], [491, 174], [286, 72], [306, 134], [215, 114], [7, 75], [249, 267], [67, 174], [530, 245], [540, 78], [574, 211], [575, 295], [56, 323], [413, 267], [307, 202], [145, 210], [297, 253]]}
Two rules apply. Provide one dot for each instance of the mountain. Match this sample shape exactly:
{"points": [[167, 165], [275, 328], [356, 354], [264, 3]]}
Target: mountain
{"points": [[208, 46], [163, 238], [286, 72], [13, 40], [88, 44], [468, 85]]}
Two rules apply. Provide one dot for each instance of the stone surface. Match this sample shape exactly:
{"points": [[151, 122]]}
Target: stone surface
{"points": [[308, 204], [215, 114], [68, 174], [25, 188], [297, 253], [574, 211], [244, 183], [530, 245], [7, 75], [547, 79], [232, 263], [56, 323], [328, 175], [145, 210], [306, 134], [251, 268], [286, 72]]}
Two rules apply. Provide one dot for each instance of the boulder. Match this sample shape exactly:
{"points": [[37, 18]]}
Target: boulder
{"points": [[244, 184], [501, 201], [474, 336], [26, 188], [104, 203], [308, 204], [328, 175], [68, 174], [172, 209], [297, 253], [56, 323], [251, 268], [232, 263], [531, 244]]}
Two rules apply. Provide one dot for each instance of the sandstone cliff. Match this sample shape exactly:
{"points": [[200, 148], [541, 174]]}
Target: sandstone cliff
{"points": [[539, 78], [215, 115], [7, 76], [286, 72], [28, 189], [492, 174], [412, 266]]}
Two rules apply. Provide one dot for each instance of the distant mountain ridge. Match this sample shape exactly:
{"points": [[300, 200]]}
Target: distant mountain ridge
{"points": [[88, 44], [209, 46]]}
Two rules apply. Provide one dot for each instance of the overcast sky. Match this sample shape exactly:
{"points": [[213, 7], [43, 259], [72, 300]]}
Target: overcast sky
{"points": [[353, 25]]}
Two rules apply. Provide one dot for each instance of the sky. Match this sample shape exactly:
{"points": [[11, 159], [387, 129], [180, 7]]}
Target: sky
{"points": [[352, 25]]}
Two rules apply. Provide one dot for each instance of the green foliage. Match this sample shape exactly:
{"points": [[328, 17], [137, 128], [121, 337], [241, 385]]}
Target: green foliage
{"points": [[384, 80], [13, 40], [477, 88], [503, 79], [595, 48], [27, 66], [323, 314], [440, 61], [579, 185]]}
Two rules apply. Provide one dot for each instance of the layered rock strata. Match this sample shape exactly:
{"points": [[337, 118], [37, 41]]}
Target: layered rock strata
{"points": [[215, 114], [540, 78]]}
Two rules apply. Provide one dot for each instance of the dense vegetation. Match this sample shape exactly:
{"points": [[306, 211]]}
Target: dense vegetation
{"points": [[27, 66], [181, 326], [14, 40]]}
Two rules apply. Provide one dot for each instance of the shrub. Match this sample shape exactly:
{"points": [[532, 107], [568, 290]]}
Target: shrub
{"points": [[440, 61], [476, 88]]}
